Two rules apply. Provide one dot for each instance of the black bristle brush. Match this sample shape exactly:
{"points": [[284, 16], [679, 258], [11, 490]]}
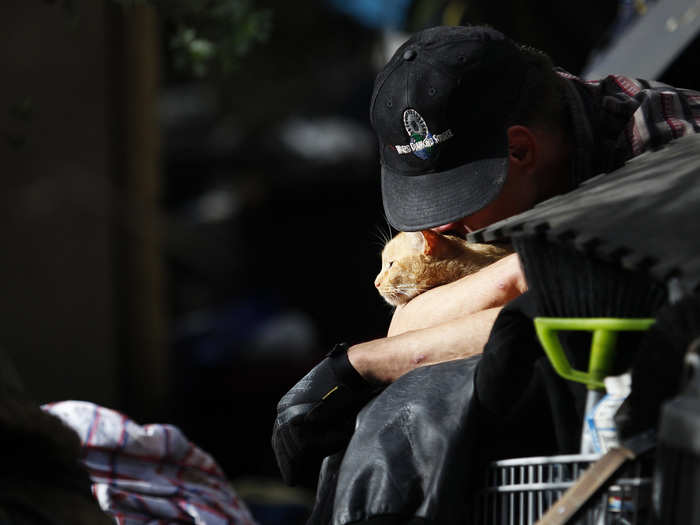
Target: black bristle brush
{"points": [[570, 283], [567, 283]]}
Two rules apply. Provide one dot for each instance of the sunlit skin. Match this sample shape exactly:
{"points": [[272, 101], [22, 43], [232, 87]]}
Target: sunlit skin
{"points": [[536, 171]]}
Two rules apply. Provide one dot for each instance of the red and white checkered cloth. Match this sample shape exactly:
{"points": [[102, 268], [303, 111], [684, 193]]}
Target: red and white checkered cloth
{"points": [[150, 473]]}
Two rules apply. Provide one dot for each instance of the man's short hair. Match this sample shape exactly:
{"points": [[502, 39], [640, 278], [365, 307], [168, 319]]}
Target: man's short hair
{"points": [[542, 103]]}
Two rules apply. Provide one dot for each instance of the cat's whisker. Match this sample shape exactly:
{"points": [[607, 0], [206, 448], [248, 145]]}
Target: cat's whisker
{"points": [[381, 236], [389, 232]]}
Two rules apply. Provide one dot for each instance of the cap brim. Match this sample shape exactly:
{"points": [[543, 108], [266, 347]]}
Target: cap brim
{"points": [[418, 202]]}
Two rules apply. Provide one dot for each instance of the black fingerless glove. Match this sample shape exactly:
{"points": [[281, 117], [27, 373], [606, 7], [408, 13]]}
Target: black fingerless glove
{"points": [[316, 418]]}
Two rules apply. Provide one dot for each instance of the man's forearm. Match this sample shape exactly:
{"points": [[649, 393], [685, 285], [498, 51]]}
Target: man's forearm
{"points": [[490, 287], [385, 360]]}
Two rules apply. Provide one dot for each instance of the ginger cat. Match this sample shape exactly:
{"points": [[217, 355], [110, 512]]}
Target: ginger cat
{"points": [[413, 262]]}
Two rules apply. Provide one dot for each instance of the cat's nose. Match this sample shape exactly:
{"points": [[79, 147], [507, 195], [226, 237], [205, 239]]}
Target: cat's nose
{"points": [[376, 283]]}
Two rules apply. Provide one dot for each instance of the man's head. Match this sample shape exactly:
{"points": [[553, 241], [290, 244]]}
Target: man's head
{"points": [[470, 125]]}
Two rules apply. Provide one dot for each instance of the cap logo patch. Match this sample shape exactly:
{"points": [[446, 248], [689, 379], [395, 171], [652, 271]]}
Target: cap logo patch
{"points": [[422, 141]]}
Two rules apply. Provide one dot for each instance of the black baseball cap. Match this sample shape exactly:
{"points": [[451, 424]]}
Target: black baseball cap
{"points": [[440, 109]]}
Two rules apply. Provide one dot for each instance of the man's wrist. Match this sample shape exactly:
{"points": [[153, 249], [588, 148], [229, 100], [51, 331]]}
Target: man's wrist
{"points": [[344, 369], [381, 361], [358, 359]]}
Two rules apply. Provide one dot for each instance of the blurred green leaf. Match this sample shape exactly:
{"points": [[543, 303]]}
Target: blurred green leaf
{"points": [[212, 36]]}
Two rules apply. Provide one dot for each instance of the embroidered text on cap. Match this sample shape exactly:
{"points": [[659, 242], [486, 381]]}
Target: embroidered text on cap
{"points": [[421, 138]]}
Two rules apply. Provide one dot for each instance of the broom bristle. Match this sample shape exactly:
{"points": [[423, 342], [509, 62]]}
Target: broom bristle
{"points": [[568, 283]]}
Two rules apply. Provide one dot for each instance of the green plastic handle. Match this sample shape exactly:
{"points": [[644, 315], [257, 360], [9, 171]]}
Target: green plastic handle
{"points": [[602, 344]]}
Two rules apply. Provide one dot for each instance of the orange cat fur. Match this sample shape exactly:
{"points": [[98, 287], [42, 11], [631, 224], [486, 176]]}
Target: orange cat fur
{"points": [[413, 262]]}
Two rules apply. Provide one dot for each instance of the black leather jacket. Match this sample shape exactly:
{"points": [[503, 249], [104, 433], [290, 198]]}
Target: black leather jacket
{"points": [[415, 451], [316, 418], [389, 461]]}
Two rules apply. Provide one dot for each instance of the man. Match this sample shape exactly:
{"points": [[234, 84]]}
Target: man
{"points": [[472, 129]]}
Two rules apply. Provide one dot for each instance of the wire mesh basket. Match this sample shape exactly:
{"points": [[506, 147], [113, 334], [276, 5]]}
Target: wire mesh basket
{"points": [[519, 491]]}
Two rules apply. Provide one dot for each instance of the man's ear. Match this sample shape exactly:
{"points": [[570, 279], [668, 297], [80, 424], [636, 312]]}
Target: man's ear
{"points": [[522, 148]]}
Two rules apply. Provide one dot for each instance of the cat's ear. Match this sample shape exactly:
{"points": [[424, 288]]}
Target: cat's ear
{"points": [[431, 241]]}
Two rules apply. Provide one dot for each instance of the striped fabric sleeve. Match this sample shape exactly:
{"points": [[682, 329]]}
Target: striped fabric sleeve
{"points": [[664, 113], [629, 116]]}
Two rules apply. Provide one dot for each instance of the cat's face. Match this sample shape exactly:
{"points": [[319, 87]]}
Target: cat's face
{"points": [[413, 262], [406, 267]]}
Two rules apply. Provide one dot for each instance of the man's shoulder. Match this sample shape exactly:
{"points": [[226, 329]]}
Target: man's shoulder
{"points": [[618, 84], [629, 116]]}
